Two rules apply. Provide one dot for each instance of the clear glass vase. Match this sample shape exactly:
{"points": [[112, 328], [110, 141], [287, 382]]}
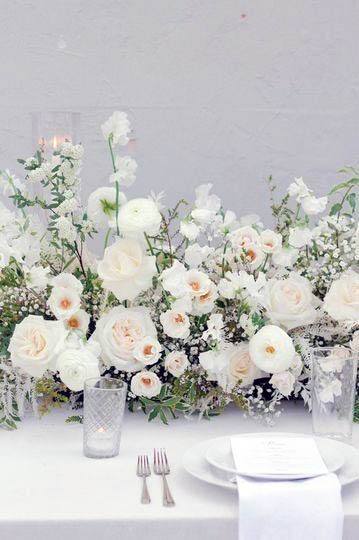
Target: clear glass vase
{"points": [[334, 373], [104, 404]]}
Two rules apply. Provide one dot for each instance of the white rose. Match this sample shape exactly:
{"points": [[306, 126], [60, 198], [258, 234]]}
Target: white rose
{"points": [[126, 270], [78, 321], [300, 237], [125, 174], [253, 256], [173, 279], [197, 283], [139, 216], [205, 303], [119, 331], [38, 277], [189, 230], [313, 206], [147, 351], [75, 365], [271, 242], [176, 322], [285, 257], [290, 302], [101, 206], [176, 363], [64, 302], [117, 127], [67, 281], [244, 237], [146, 384], [342, 299], [241, 367], [35, 344], [284, 382], [271, 349], [195, 255]]}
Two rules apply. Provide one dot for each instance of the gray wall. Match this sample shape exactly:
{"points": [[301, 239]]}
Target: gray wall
{"points": [[226, 91]]}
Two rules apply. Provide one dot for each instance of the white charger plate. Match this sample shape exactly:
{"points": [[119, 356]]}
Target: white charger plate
{"points": [[195, 463], [219, 455]]}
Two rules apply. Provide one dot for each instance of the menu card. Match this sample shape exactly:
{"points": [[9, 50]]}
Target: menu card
{"points": [[277, 455]]}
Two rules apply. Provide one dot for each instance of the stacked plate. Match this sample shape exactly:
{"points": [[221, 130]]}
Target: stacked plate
{"points": [[211, 461]]}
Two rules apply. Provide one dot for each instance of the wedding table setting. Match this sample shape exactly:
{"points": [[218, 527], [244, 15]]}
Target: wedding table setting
{"points": [[197, 376]]}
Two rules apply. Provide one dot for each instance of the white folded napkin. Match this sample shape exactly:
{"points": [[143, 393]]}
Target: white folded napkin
{"points": [[308, 509]]}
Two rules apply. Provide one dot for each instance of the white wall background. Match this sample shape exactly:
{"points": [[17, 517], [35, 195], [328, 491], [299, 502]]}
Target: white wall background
{"points": [[226, 91]]}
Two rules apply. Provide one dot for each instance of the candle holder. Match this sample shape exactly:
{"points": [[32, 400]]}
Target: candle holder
{"points": [[104, 404], [51, 128]]}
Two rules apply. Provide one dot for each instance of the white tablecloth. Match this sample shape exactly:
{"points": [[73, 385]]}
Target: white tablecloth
{"points": [[50, 491]]}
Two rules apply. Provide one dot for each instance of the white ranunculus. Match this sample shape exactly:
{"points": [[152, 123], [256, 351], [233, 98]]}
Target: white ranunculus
{"points": [[175, 323], [117, 128], [173, 279], [313, 206], [146, 384], [206, 205], [271, 349], [205, 303], [189, 230], [244, 237], [147, 351], [176, 363], [290, 302], [195, 255], [138, 217], [342, 299], [67, 281], [283, 381], [285, 257], [35, 344], [38, 278], [119, 332], [300, 237], [241, 367], [271, 242], [75, 365], [78, 321], [125, 174], [64, 302], [126, 270], [101, 206], [253, 256], [197, 283]]}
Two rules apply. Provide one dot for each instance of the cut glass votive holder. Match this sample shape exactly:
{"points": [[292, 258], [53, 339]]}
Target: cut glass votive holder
{"points": [[104, 405]]}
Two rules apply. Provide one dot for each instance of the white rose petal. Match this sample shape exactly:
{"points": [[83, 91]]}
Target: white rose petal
{"points": [[77, 365], [313, 206], [271, 349], [286, 257], [67, 281], [205, 303], [189, 230], [125, 174], [173, 279], [176, 363], [342, 299], [271, 242], [147, 351], [38, 277], [244, 237], [175, 323], [64, 302], [146, 384], [139, 216]]}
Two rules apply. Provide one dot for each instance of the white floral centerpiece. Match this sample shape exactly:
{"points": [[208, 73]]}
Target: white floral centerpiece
{"points": [[193, 306]]}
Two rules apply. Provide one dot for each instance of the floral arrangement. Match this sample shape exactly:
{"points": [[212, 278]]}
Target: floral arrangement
{"points": [[192, 306]]}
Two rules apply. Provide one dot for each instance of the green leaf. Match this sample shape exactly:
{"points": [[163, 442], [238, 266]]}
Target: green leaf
{"points": [[353, 182], [153, 414], [163, 416], [338, 187], [335, 209], [76, 419], [352, 200]]}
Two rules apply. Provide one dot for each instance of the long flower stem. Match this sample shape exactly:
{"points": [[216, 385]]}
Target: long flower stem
{"points": [[116, 183], [107, 237]]}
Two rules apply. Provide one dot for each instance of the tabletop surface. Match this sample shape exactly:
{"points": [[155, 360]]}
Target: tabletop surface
{"points": [[48, 488]]}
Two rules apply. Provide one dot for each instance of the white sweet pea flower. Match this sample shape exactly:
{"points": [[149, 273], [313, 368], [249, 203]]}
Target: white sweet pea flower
{"points": [[249, 220], [67, 281], [195, 255], [64, 302], [173, 279], [300, 237], [175, 321], [225, 224], [189, 230], [75, 365], [119, 332], [271, 349], [126, 270], [290, 302], [35, 344], [298, 189], [126, 168], [342, 299], [147, 351], [285, 257], [78, 321], [271, 242], [206, 205], [138, 217], [215, 326], [38, 278], [146, 384], [176, 363], [101, 206], [313, 206], [117, 128], [284, 382]]}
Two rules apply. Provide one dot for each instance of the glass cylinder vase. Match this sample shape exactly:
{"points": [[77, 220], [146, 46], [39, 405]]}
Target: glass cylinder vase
{"points": [[104, 404], [334, 373]]}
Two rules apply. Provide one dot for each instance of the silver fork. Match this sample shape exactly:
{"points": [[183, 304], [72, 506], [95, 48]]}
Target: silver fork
{"points": [[161, 467], [143, 470]]}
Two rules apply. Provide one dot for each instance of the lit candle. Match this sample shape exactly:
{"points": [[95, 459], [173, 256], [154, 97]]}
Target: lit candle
{"points": [[101, 440]]}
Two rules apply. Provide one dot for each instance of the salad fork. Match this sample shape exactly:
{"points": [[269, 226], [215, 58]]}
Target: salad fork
{"points": [[143, 470], [162, 468]]}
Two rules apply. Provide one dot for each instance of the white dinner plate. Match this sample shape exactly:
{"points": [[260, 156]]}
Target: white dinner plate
{"points": [[195, 463], [219, 455]]}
